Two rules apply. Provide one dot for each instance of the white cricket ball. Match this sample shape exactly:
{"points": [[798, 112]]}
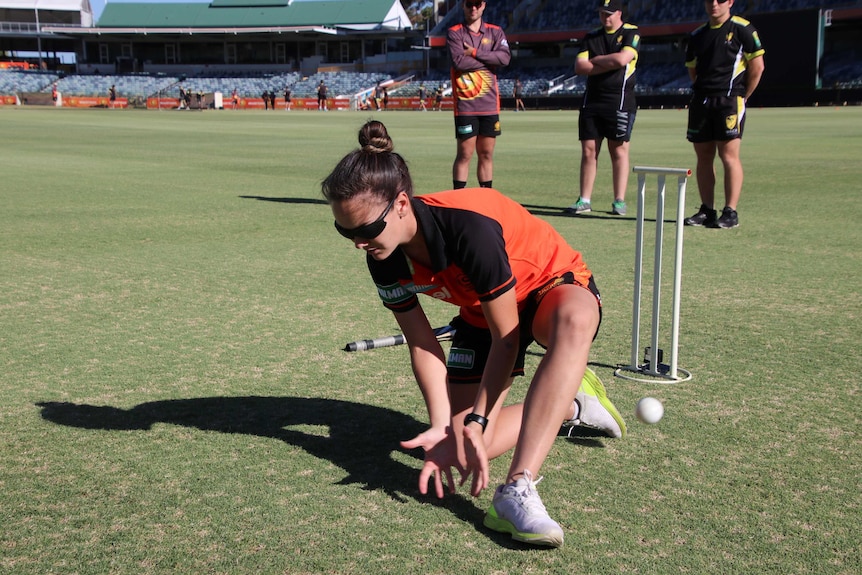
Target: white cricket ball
{"points": [[649, 410]]}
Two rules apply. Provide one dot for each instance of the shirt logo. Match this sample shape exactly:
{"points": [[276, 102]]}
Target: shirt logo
{"points": [[472, 85], [756, 40], [395, 293]]}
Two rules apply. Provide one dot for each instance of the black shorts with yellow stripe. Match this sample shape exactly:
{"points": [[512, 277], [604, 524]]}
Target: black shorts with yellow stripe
{"points": [[715, 118]]}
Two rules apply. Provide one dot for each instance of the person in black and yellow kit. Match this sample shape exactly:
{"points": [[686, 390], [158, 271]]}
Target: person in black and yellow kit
{"points": [[725, 63], [609, 61]]}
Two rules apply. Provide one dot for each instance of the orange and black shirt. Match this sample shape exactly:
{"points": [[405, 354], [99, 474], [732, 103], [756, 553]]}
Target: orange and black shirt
{"points": [[482, 244]]}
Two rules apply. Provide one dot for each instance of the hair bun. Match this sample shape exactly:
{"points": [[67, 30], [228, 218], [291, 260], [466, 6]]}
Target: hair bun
{"points": [[373, 138]]}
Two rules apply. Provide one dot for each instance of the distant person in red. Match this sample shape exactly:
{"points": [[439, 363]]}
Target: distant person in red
{"points": [[476, 49]]}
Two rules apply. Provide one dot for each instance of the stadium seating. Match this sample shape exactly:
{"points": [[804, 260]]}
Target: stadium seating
{"points": [[338, 83], [515, 16], [128, 86], [17, 82], [842, 70]]}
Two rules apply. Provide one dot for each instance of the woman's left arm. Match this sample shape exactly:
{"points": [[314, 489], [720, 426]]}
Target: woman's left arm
{"points": [[501, 314]]}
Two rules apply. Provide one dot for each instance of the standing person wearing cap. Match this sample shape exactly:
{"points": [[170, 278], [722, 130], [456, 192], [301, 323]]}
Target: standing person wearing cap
{"points": [[725, 63], [477, 49], [608, 59]]}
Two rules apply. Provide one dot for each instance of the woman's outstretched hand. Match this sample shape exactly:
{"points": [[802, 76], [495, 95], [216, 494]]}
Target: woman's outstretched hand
{"points": [[441, 455]]}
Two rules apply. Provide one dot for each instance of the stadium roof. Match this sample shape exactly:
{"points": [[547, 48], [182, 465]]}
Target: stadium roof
{"points": [[82, 7], [251, 15], [62, 5]]}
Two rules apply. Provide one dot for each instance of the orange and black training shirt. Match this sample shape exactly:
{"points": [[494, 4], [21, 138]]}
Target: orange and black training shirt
{"points": [[482, 244]]}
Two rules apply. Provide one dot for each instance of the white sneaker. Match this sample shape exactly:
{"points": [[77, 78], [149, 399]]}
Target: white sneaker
{"points": [[517, 509], [594, 410]]}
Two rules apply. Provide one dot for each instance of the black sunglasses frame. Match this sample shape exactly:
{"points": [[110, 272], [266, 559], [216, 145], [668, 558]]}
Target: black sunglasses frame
{"points": [[368, 231]]}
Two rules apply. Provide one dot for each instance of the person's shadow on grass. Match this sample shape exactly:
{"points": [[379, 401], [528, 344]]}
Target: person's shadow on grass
{"points": [[360, 438]]}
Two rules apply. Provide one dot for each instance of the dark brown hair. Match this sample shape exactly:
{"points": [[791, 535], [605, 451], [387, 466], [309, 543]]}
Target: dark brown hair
{"points": [[372, 168]]}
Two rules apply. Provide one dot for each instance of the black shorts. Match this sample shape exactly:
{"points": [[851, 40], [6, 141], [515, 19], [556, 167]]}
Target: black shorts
{"points": [[616, 125], [467, 127], [471, 345], [715, 118]]}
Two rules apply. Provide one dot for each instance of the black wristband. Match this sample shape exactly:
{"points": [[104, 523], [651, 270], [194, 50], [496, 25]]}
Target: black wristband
{"points": [[475, 417]]}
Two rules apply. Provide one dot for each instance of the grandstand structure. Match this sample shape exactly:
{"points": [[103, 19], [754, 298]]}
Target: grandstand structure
{"points": [[240, 35], [22, 23], [150, 49]]}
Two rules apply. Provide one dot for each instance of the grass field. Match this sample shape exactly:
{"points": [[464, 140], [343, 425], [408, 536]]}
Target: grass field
{"points": [[174, 398]]}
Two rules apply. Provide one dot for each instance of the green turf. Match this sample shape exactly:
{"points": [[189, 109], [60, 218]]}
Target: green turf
{"points": [[173, 398]]}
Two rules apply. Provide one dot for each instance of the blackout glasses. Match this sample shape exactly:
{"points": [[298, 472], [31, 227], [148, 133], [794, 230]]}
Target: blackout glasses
{"points": [[368, 231], [479, 4]]}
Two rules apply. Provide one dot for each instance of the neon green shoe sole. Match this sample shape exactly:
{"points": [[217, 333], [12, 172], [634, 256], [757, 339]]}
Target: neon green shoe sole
{"points": [[593, 387], [492, 521]]}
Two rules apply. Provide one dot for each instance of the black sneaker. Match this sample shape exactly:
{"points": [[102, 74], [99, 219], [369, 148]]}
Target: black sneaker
{"points": [[728, 219], [704, 217]]}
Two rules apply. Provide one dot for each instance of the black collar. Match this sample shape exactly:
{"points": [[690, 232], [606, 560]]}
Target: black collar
{"points": [[430, 230]]}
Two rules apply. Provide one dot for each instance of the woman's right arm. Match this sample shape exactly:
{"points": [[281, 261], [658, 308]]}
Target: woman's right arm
{"points": [[429, 365], [429, 368]]}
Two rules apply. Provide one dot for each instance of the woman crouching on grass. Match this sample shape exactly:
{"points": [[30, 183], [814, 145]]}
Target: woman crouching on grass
{"points": [[515, 281]]}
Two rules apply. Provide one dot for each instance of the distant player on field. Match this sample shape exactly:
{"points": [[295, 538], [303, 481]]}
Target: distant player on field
{"points": [[725, 62], [608, 59], [476, 49]]}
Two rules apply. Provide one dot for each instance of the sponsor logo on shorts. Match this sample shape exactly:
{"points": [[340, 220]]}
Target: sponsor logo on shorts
{"points": [[461, 358], [730, 121], [468, 129]]}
